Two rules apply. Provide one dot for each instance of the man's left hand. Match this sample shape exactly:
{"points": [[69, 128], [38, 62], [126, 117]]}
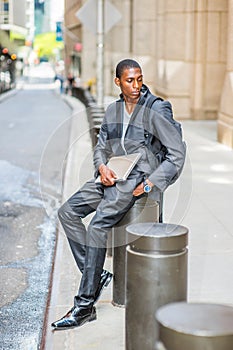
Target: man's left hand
{"points": [[139, 190]]}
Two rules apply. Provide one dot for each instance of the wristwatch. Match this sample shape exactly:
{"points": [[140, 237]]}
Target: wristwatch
{"points": [[147, 188]]}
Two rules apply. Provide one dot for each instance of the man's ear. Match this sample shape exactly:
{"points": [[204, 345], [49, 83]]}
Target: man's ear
{"points": [[117, 81]]}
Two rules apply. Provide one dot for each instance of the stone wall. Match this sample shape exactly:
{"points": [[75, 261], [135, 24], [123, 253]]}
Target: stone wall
{"points": [[185, 49], [225, 115], [181, 46]]}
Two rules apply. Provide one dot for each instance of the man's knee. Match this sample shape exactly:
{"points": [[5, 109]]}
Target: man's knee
{"points": [[65, 212], [71, 223]]}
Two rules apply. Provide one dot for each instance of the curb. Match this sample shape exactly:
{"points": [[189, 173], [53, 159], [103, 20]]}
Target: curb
{"points": [[8, 94], [78, 109]]}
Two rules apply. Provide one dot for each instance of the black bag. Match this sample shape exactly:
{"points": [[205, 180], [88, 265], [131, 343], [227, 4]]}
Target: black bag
{"points": [[161, 154]]}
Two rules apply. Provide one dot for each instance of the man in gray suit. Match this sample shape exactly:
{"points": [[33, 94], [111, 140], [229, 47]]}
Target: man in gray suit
{"points": [[128, 127]]}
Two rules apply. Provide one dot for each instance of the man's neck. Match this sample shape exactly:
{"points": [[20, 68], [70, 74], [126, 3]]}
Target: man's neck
{"points": [[130, 104]]}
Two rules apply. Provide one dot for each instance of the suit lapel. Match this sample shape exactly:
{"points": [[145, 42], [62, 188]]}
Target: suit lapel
{"points": [[119, 117]]}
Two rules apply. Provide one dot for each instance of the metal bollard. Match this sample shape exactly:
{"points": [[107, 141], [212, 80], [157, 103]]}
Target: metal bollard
{"points": [[143, 210], [195, 326], [156, 274], [109, 244]]}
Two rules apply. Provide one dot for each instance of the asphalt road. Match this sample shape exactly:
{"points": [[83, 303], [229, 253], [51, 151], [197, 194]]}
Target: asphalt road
{"points": [[34, 138]]}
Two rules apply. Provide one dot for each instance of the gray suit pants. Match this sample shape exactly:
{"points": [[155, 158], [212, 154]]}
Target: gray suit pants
{"points": [[88, 245]]}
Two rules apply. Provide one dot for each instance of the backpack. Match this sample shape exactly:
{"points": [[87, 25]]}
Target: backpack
{"points": [[151, 100], [149, 137]]}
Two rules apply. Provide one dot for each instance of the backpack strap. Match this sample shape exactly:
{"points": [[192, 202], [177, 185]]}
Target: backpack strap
{"points": [[151, 100], [149, 103]]}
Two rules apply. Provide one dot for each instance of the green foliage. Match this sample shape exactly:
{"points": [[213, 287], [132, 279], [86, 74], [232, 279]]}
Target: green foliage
{"points": [[46, 45]]}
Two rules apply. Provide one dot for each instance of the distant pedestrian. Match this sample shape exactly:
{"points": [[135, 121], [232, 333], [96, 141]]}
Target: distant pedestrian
{"points": [[90, 84], [60, 78], [70, 83]]}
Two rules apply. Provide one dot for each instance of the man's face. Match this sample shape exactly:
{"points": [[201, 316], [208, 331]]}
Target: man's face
{"points": [[130, 84]]}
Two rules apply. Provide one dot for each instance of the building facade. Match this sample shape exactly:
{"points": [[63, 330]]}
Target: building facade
{"points": [[16, 27], [13, 18], [184, 47], [72, 33], [42, 16], [17, 20]]}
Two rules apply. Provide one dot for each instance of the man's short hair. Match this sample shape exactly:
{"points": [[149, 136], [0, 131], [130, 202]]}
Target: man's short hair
{"points": [[125, 64]]}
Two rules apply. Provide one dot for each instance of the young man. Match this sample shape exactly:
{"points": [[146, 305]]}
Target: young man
{"points": [[127, 128]]}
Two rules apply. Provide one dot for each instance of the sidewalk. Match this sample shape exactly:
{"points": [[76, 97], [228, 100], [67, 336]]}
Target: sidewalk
{"points": [[200, 200]]}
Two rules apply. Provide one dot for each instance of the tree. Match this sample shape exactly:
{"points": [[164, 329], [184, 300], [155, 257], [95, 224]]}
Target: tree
{"points": [[46, 45]]}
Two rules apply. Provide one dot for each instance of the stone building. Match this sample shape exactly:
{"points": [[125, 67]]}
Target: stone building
{"points": [[185, 48], [72, 33]]}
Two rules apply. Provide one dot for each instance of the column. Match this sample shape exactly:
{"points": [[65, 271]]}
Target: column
{"points": [[225, 115]]}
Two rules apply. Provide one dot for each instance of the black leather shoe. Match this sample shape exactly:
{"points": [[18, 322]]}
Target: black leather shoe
{"points": [[104, 282], [75, 317]]}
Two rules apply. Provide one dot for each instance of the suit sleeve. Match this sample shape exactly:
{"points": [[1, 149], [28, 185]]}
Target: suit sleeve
{"points": [[164, 129]]}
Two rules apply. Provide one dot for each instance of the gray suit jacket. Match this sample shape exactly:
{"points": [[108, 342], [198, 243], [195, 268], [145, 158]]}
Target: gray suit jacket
{"points": [[157, 139]]}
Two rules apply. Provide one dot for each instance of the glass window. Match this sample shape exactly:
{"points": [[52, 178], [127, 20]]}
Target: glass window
{"points": [[6, 5]]}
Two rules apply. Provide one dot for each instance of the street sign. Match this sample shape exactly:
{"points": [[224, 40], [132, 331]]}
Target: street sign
{"points": [[87, 14], [59, 31]]}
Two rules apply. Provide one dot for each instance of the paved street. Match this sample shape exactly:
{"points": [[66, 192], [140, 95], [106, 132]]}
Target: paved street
{"points": [[34, 135]]}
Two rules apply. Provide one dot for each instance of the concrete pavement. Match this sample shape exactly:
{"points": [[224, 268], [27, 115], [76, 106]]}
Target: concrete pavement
{"points": [[33, 139], [201, 200]]}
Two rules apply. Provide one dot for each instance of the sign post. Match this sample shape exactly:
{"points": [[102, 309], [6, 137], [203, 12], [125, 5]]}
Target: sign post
{"points": [[100, 53], [99, 16]]}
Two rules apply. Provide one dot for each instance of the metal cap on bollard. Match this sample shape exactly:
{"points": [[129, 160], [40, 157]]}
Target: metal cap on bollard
{"points": [[195, 326], [157, 237], [156, 275]]}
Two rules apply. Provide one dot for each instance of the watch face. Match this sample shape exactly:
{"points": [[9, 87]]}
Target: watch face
{"points": [[147, 188]]}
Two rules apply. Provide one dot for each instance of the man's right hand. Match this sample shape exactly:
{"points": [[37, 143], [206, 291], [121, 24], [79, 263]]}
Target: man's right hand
{"points": [[107, 176]]}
